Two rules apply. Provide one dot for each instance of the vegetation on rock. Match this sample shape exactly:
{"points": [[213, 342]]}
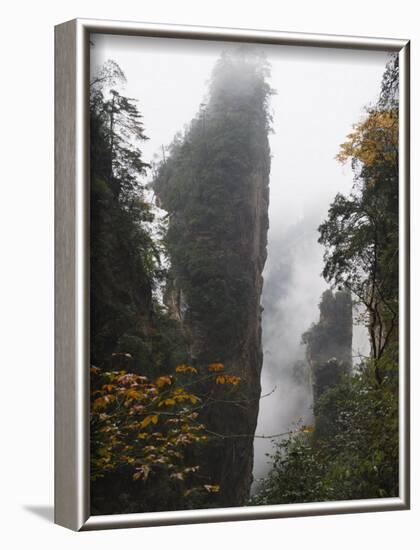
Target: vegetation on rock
{"points": [[214, 185]]}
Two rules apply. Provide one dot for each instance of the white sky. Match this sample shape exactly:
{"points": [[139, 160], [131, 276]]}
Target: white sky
{"points": [[321, 93]]}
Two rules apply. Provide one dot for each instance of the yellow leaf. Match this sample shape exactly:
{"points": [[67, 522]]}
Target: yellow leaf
{"points": [[186, 368], [215, 367], [163, 381], [167, 402], [307, 429], [102, 402], [221, 379], [234, 380], [133, 394], [153, 418]]}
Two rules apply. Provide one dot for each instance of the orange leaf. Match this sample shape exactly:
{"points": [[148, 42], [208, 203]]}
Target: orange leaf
{"points": [[186, 368], [216, 367], [163, 381], [151, 419], [307, 429]]}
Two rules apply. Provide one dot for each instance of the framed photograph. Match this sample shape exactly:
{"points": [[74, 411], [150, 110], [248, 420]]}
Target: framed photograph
{"points": [[232, 274]]}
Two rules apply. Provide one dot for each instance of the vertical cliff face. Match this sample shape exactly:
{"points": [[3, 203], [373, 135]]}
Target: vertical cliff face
{"points": [[243, 357], [214, 185], [329, 346]]}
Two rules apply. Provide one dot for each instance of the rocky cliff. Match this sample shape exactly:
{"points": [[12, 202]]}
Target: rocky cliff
{"points": [[329, 345], [214, 186]]}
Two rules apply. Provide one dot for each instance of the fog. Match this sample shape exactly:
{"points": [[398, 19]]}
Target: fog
{"points": [[320, 93]]}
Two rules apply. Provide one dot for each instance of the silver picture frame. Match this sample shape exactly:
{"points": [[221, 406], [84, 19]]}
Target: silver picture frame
{"points": [[72, 485]]}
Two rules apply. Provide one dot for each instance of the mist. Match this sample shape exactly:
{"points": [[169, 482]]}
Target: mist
{"points": [[320, 94], [313, 111]]}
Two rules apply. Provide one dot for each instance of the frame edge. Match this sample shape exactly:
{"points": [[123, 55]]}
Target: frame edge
{"points": [[70, 406], [71, 277], [405, 317]]}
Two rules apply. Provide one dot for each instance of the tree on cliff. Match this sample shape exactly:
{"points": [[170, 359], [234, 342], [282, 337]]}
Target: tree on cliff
{"points": [[214, 185], [361, 232], [144, 420], [205, 183], [125, 256], [147, 401]]}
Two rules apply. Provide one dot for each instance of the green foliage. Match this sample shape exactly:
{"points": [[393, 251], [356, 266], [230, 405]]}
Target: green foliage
{"points": [[130, 329], [125, 257], [149, 409], [329, 345], [361, 232], [146, 400], [207, 184], [356, 457], [213, 182]]}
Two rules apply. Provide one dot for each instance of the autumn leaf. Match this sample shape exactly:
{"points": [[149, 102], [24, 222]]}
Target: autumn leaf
{"points": [[102, 402], [374, 138], [307, 429], [151, 419], [194, 399], [186, 368], [133, 394], [127, 378], [167, 402], [183, 396], [123, 437], [234, 380], [216, 367], [227, 379], [163, 381]]}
